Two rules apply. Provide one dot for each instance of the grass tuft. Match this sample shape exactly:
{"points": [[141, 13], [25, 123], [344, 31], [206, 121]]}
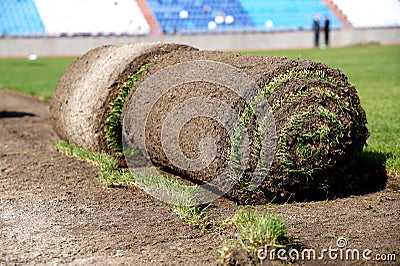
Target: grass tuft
{"points": [[106, 162], [254, 231], [259, 229]]}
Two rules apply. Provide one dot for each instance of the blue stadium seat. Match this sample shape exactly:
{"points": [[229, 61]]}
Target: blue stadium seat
{"points": [[20, 18]]}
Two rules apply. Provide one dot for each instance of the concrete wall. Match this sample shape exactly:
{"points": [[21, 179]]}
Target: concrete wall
{"points": [[20, 47]]}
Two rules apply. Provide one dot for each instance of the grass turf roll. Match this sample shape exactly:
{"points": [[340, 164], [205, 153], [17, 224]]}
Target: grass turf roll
{"points": [[88, 99], [319, 122]]}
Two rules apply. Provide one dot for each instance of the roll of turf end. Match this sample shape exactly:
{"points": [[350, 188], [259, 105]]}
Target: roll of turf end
{"points": [[87, 102], [263, 127]]}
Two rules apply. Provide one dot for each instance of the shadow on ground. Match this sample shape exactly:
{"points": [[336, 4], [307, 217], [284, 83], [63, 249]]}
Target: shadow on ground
{"points": [[369, 176], [8, 114], [373, 172]]}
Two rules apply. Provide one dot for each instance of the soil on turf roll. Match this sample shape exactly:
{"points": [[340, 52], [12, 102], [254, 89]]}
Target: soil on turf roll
{"points": [[86, 103], [320, 124]]}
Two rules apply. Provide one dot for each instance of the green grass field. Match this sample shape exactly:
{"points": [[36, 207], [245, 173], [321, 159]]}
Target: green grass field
{"points": [[374, 70], [37, 77]]}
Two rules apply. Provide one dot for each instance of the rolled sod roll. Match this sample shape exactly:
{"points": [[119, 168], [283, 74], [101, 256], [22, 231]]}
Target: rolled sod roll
{"points": [[283, 128], [87, 102]]}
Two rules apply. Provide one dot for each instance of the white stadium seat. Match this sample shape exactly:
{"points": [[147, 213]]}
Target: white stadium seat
{"points": [[92, 17], [371, 13]]}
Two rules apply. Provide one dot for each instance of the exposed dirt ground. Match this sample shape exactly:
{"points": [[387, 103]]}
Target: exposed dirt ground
{"points": [[54, 210]]}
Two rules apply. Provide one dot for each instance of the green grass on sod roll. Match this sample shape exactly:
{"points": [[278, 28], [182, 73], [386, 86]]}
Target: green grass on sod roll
{"points": [[113, 123], [374, 70], [328, 135]]}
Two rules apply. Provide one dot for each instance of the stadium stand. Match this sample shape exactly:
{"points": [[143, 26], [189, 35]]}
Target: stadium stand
{"points": [[199, 16], [370, 13], [287, 14], [92, 17], [53, 18], [20, 18], [182, 16]]}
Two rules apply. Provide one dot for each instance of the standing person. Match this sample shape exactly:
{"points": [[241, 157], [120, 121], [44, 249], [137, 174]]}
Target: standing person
{"points": [[316, 30], [326, 30]]}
